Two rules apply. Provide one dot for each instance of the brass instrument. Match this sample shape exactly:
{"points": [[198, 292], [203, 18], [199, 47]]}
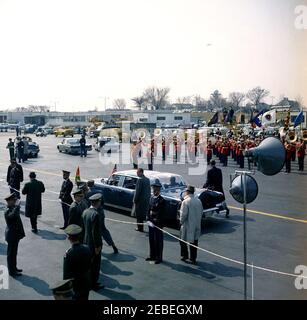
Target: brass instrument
{"points": [[303, 134]]}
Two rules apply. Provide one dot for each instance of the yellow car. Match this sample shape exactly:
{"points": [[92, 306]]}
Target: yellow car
{"points": [[63, 132]]}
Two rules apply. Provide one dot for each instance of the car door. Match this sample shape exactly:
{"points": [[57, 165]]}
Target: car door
{"points": [[128, 189], [112, 191]]}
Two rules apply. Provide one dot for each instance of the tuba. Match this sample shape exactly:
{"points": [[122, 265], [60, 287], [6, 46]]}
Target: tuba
{"points": [[304, 135], [291, 136]]}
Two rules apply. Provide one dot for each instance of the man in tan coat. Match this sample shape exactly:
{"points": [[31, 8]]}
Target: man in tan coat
{"points": [[191, 212]]}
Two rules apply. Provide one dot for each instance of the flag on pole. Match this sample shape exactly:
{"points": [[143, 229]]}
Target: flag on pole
{"points": [[269, 117], [214, 119], [256, 119], [299, 119], [77, 176], [114, 169]]}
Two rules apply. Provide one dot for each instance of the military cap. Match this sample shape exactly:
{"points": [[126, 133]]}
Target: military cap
{"points": [[65, 171], [157, 184], [73, 230], [81, 184], [77, 191], [95, 197], [10, 196], [62, 287]]}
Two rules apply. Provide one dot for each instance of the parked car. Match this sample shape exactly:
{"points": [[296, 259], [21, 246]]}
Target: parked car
{"points": [[118, 192], [72, 146], [40, 132], [3, 127], [107, 144], [29, 128], [33, 148], [65, 132]]}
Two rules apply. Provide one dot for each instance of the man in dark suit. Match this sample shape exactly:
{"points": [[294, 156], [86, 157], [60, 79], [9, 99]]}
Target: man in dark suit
{"points": [[141, 199], [214, 178], [13, 234], [65, 197], [215, 181], [77, 263], [14, 177], [92, 238], [33, 190]]}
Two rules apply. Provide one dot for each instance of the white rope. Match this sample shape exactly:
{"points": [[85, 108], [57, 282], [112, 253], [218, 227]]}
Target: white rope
{"points": [[188, 243]]}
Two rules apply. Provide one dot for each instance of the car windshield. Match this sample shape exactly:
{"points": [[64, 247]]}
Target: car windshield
{"points": [[72, 141], [169, 182]]}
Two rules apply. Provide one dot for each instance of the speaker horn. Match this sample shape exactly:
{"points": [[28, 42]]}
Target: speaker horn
{"points": [[270, 156], [237, 191]]}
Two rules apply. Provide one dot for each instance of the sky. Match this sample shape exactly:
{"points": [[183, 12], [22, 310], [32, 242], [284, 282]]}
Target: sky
{"points": [[80, 54]]}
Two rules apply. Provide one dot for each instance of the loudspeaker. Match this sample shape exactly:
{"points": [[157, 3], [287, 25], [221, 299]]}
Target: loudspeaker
{"points": [[270, 156], [236, 188]]}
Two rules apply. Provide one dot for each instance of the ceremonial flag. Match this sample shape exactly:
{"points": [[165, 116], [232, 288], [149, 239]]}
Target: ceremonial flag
{"points": [[214, 119], [230, 116], [256, 119], [269, 117], [77, 176], [299, 119], [114, 169]]}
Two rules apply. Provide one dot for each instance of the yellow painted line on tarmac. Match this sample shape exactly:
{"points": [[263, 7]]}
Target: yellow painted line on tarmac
{"points": [[267, 214], [270, 214]]}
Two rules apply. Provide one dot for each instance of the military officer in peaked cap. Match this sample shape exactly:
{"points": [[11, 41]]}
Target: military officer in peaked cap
{"points": [[92, 238], [76, 209], [62, 290], [13, 234], [77, 263], [65, 197]]}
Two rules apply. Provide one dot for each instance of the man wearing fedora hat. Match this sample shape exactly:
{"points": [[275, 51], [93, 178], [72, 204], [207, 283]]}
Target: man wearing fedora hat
{"points": [[33, 190], [191, 213], [155, 217], [14, 232]]}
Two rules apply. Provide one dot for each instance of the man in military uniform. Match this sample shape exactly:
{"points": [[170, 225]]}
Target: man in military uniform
{"points": [[62, 290], [105, 233], [77, 263], [141, 199], [11, 148], [14, 177], [33, 190], [13, 234], [76, 210], [155, 216], [65, 197], [92, 238]]}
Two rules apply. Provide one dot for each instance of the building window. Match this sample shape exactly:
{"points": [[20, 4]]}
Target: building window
{"points": [[160, 118], [143, 120], [178, 118]]}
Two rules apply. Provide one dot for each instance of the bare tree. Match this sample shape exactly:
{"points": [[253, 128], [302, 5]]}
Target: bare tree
{"points": [[217, 101], [236, 98], [119, 104], [157, 98], [184, 100], [256, 95], [139, 102]]}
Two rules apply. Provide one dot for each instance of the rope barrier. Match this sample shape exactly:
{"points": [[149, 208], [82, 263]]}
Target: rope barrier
{"points": [[188, 243]]}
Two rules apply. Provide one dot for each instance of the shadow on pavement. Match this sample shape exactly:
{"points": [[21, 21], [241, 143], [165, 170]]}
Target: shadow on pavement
{"points": [[237, 217], [40, 286], [111, 283], [49, 235], [109, 268], [187, 269], [120, 257], [3, 248], [220, 269], [114, 295], [219, 226]]}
